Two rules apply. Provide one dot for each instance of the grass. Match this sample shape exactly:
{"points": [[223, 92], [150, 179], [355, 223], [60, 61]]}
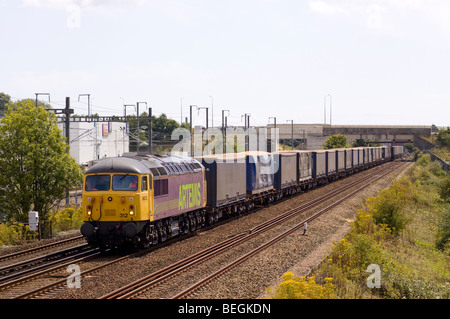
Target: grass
{"points": [[405, 231], [62, 220]]}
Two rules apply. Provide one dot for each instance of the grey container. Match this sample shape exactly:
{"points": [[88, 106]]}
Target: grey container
{"points": [[361, 156], [331, 162], [355, 157], [348, 158], [305, 165], [319, 164], [225, 179], [340, 159], [260, 171], [286, 174]]}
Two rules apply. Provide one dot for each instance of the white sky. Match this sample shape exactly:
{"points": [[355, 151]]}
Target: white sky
{"points": [[382, 61]]}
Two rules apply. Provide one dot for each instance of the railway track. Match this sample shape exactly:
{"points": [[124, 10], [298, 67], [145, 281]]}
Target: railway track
{"points": [[43, 281], [159, 277], [30, 265], [39, 248]]}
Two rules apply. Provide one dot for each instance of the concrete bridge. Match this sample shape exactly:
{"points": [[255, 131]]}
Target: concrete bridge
{"points": [[314, 135]]}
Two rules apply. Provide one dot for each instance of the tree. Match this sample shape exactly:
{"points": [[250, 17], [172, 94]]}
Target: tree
{"points": [[34, 160], [165, 126], [359, 142], [335, 141], [4, 99], [443, 137]]}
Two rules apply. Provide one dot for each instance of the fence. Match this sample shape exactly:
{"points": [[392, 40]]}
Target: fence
{"points": [[445, 166]]}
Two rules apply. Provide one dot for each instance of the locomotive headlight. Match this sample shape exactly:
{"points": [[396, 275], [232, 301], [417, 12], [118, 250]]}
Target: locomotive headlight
{"points": [[131, 210], [89, 212]]}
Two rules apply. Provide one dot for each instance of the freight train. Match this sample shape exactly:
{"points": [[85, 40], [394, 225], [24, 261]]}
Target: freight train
{"points": [[143, 200]]}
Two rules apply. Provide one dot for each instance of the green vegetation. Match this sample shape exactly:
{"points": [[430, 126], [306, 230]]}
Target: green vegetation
{"points": [[162, 128], [16, 234], [293, 287], [61, 220], [335, 141], [443, 137], [35, 162], [404, 230], [67, 219]]}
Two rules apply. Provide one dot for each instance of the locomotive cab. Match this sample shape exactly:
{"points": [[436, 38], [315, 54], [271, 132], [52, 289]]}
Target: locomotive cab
{"points": [[122, 197], [142, 200], [117, 203]]}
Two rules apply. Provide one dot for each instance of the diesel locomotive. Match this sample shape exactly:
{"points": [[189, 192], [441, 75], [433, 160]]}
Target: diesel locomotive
{"points": [[143, 200]]}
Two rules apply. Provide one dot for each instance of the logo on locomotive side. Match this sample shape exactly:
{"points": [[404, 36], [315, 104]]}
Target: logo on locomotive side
{"points": [[189, 196]]}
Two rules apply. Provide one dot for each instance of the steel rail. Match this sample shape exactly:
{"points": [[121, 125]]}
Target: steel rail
{"points": [[51, 266], [158, 276], [246, 256], [31, 261], [31, 250]]}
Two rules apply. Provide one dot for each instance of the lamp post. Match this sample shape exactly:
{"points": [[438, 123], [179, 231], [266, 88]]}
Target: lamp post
{"points": [[205, 108], [324, 108], [223, 118], [41, 94], [125, 113], [331, 102], [247, 125], [224, 128], [181, 109], [190, 127], [138, 131], [274, 121], [292, 133], [212, 111], [274, 126], [89, 102], [125, 108]]}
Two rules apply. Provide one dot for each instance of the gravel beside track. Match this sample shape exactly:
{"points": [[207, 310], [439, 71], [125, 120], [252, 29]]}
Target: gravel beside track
{"points": [[250, 279]]}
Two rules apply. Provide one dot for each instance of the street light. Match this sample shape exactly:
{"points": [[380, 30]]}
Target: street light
{"points": [[324, 108], [223, 118], [41, 94], [212, 111], [292, 132], [125, 112], [274, 121], [205, 108], [181, 107], [224, 128], [125, 108], [138, 132], [89, 102], [247, 125], [190, 127], [247, 120]]}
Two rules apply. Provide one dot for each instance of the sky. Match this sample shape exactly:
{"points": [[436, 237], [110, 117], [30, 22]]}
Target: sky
{"points": [[374, 62]]}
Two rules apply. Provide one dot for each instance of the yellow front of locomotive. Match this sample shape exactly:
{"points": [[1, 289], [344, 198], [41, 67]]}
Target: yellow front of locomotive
{"points": [[113, 197], [116, 206]]}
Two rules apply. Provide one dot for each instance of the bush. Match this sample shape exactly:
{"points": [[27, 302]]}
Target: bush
{"points": [[67, 219], [16, 234], [444, 188], [443, 137], [389, 206], [443, 241], [335, 141], [293, 287]]}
